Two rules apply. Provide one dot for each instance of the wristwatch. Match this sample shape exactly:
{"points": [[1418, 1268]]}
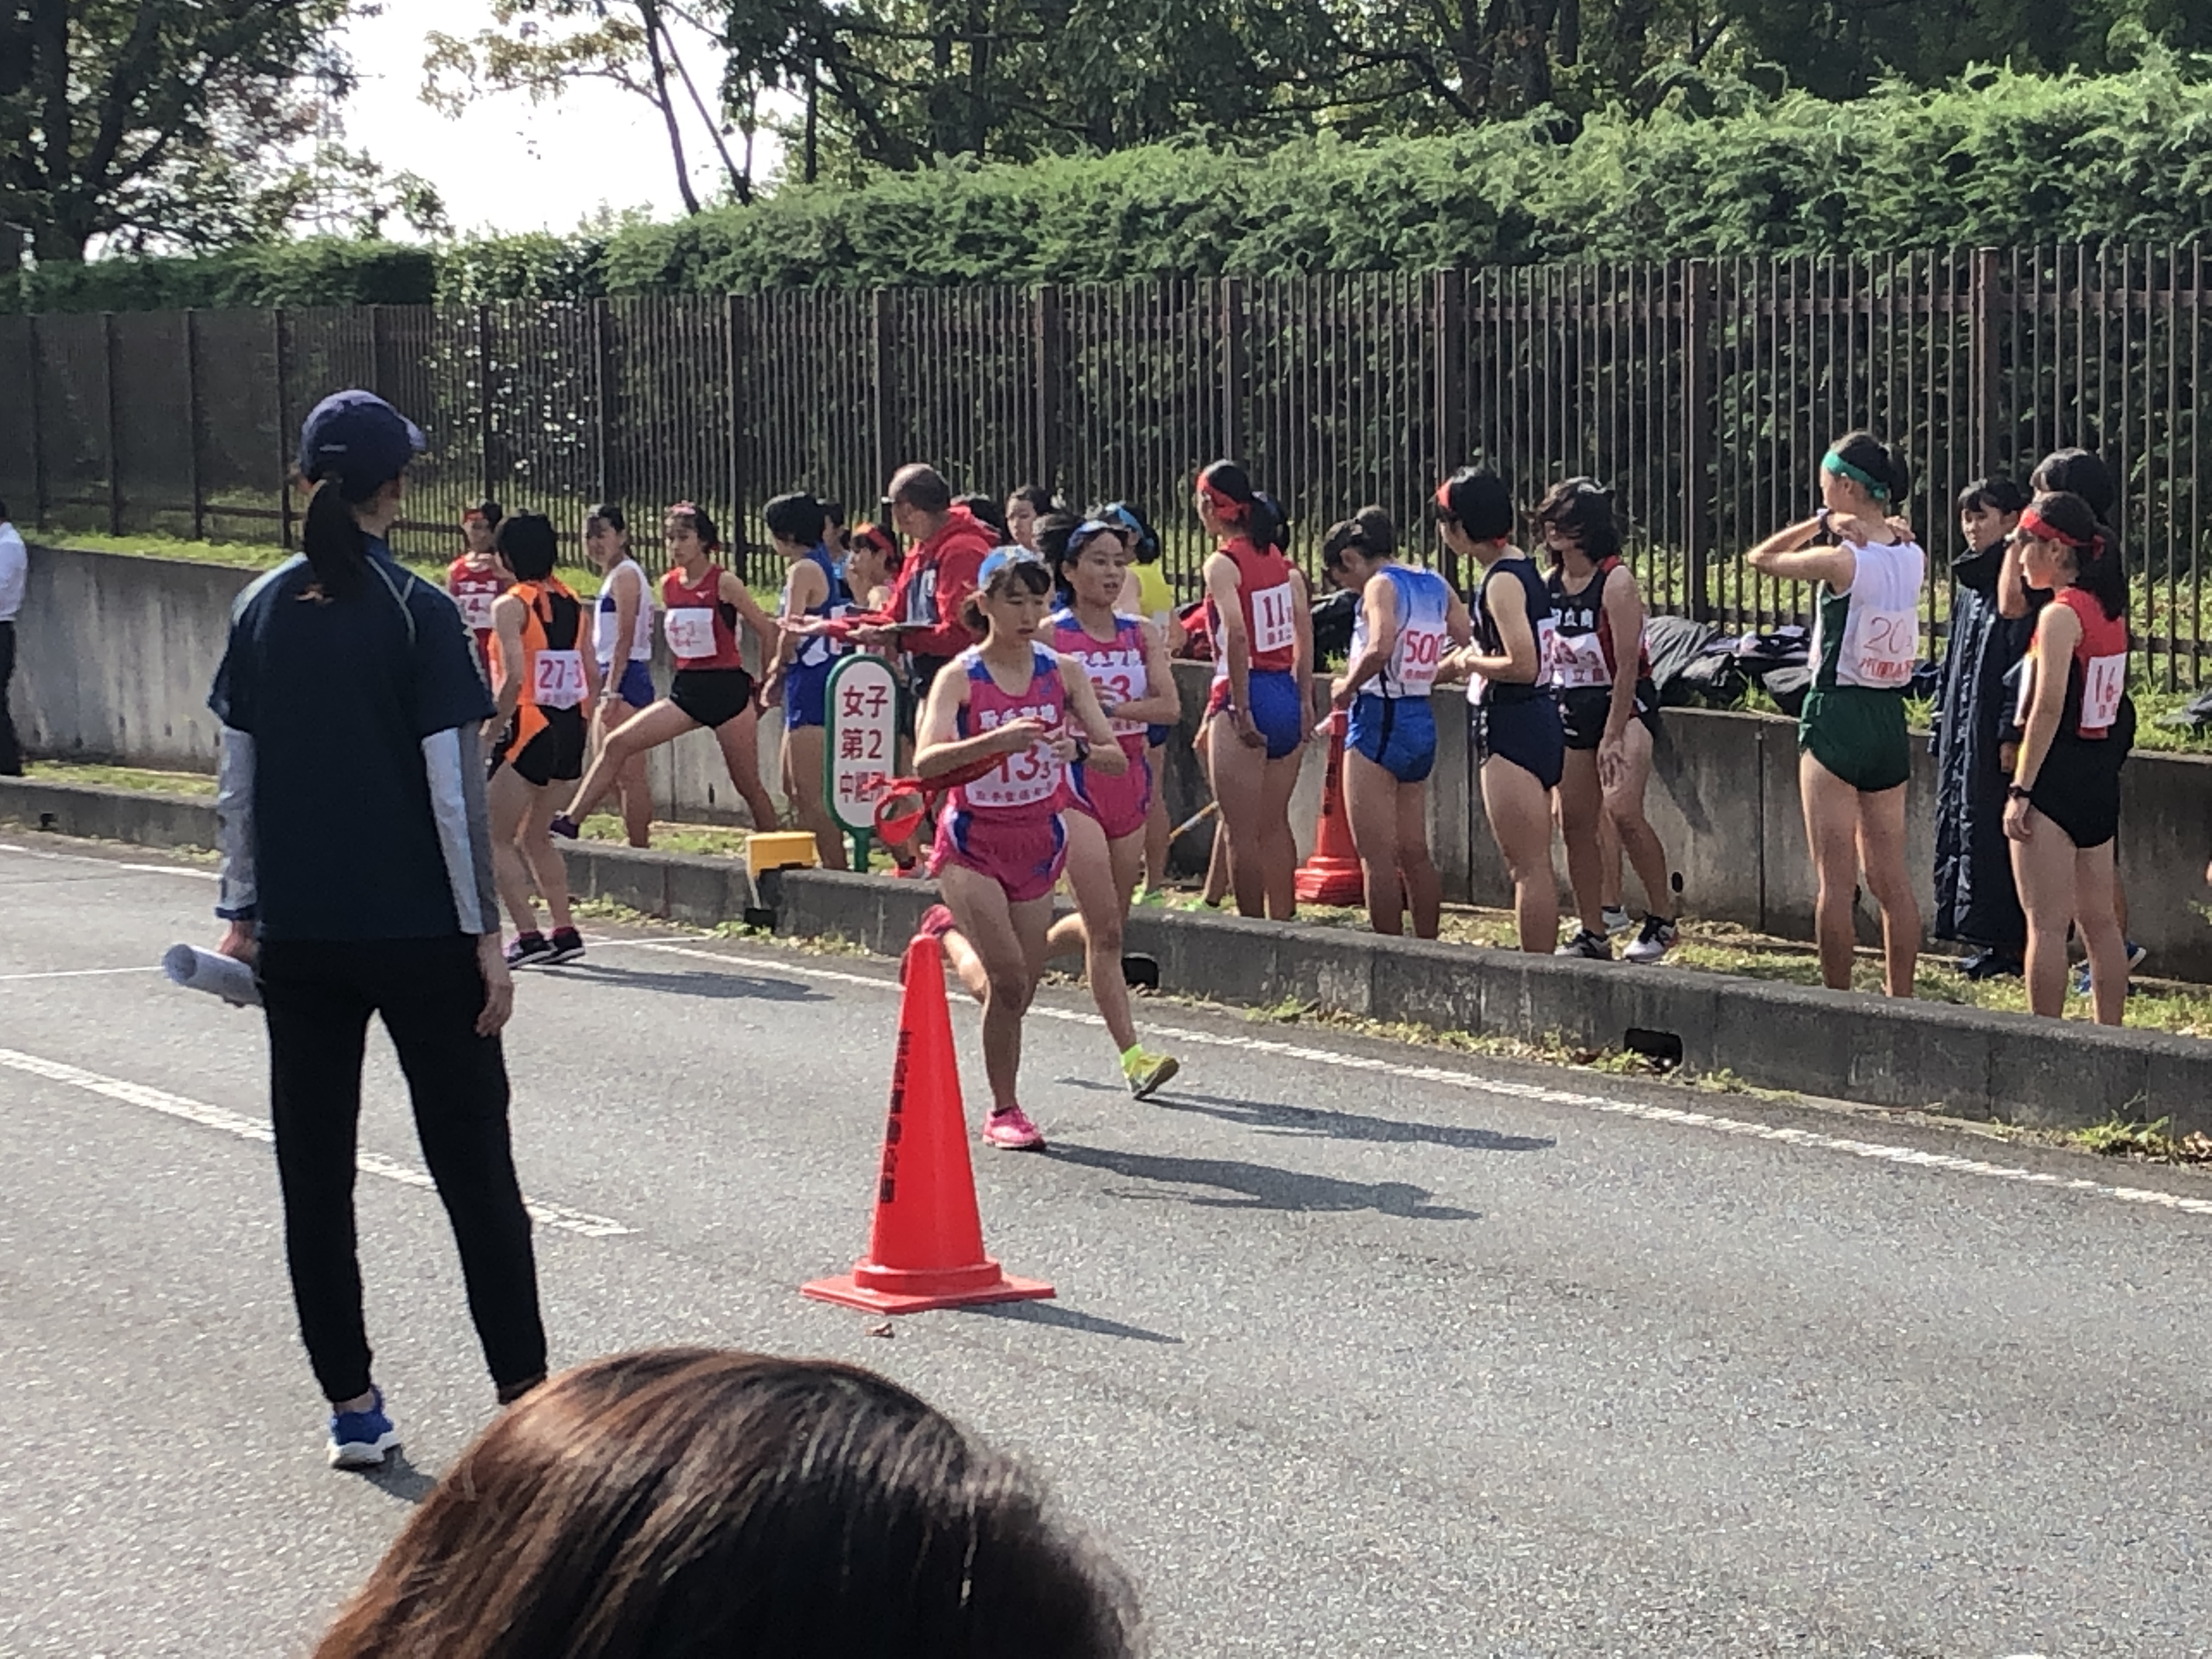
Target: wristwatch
{"points": [[2018, 792], [1082, 751]]}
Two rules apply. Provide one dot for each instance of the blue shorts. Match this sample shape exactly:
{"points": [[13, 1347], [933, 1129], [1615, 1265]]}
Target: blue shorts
{"points": [[1528, 733], [1399, 734], [1156, 735], [805, 695], [635, 686], [1278, 710]]}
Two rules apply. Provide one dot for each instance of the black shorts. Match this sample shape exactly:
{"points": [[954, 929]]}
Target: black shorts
{"points": [[1528, 733], [712, 696], [914, 692], [1585, 710], [553, 755], [2079, 789]]}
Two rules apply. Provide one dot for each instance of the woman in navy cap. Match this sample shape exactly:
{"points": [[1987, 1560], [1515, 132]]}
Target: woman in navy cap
{"points": [[357, 878]]}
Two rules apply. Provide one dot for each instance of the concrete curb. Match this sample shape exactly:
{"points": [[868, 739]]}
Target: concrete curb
{"points": [[2044, 1074]]}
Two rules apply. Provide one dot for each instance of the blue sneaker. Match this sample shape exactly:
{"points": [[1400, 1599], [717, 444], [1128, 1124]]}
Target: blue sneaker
{"points": [[359, 1439], [2136, 955]]}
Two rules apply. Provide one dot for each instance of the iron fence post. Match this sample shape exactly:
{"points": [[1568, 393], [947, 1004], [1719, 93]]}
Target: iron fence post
{"points": [[602, 398], [734, 474], [483, 401], [32, 377], [884, 382], [283, 445], [1050, 353], [114, 426], [1698, 421], [1450, 415], [1984, 297], [191, 343], [1236, 350]]}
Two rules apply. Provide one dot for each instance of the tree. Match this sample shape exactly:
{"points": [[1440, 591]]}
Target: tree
{"points": [[179, 124]]}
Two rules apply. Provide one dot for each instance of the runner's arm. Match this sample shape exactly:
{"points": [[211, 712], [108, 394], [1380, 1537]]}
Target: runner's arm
{"points": [[1223, 589], [1624, 621], [506, 634], [1107, 756], [1520, 664], [731, 591], [629, 599], [940, 748], [1788, 555], [807, 588], [2057, 633]]}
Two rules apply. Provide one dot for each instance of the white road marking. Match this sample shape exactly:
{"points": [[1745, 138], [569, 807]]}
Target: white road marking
{"points": [[169, 870], [246, 1129], [81, 973], [1877, 1150]]}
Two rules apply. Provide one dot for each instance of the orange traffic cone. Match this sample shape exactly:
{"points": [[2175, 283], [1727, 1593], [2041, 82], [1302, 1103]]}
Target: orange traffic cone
{"points": [[927, 1248], [1332, 875]]}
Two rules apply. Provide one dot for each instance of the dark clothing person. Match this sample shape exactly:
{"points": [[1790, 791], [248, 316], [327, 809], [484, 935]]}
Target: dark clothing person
{"points": [[1975, 898], [355, 843], [14, 573]]}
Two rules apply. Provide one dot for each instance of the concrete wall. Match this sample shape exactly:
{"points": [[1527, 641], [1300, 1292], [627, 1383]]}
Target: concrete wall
{"points": [[117, 652]]}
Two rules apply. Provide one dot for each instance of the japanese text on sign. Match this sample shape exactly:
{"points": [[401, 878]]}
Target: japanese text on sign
{"points": [[860, 754]]}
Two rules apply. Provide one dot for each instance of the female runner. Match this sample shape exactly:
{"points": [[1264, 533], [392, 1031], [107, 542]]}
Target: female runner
{"points": [[1001, 840], [1609, 717], [1406, 616], [1514, 714], [711, 687], [1853, 759], [799, 677], [2063, 810], [1256, 713], [622, 640], [1127, 666], [478, 577], [542, 681]]}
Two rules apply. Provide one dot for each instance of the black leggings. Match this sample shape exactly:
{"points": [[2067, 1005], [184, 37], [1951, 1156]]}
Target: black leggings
{"points": [[318, 997]]}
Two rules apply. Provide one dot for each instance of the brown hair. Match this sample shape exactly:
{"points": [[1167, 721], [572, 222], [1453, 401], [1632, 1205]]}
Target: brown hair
{"points": [[683, 1502]]}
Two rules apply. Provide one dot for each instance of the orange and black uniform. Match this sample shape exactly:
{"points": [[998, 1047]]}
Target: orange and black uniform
{"points": [[544, 741]]}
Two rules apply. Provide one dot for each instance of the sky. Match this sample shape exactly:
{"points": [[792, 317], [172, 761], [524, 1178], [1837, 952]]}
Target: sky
{"points": [[508, 165]]}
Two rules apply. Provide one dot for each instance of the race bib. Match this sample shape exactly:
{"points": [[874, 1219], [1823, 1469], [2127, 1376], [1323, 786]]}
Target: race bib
{"points": [[557, 679], [1579, 660], [1880, 649], [476, 610], [1274, 619], [1115, 686], [1421, 650], [2103, 683], [691, 631], [1021, 779]]}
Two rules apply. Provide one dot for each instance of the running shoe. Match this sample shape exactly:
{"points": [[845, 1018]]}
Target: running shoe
{"points": [[1991, 964], [565, 827], [1659, 936], [1593, 947], [529, 948], [359, 1439], [936, 922], [566, 946], [2136, 955], [1616, 921], [1145, 1073], [1013, 1130]]}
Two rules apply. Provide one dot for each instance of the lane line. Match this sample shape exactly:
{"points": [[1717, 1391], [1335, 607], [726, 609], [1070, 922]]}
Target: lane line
{"points": [[168, 870], [561, 1216], [80, 973], [1878, 1151]]}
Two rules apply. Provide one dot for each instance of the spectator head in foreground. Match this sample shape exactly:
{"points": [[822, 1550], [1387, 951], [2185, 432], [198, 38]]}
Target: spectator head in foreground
{"points": [[354, 448], [918, 501], [684, 1503]]}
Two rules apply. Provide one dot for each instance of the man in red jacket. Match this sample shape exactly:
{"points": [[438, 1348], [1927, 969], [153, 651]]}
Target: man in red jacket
{"points": [[939, 574]]}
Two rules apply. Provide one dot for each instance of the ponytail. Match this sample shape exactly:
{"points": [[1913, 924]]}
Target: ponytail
{"points": [[332, 540], [2070, 520], [1258, 516]]}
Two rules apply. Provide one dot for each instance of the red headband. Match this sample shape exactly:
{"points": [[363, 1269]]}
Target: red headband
{"points": [[2033, 523], [1444, 499], [1227, 506]]}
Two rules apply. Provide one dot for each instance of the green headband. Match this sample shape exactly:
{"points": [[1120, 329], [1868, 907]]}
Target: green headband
{"points": [[1858, 475]]}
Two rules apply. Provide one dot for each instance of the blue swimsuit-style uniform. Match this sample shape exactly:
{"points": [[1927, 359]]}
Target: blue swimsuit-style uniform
{"points": [[1391, 721], [806, 677], [1507, 719]]}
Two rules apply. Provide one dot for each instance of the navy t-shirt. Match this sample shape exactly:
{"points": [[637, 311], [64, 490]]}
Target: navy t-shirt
{"points": [[337, 696]]}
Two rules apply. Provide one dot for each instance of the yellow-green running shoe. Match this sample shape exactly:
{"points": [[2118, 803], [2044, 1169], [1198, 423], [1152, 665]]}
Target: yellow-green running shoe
{"points": [[1144, 1073]]}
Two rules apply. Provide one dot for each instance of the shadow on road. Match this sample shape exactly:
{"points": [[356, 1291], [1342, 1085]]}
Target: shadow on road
{"points": [[1072, 1319], [1335, 1126], [1258, 1186], [693, 982], [400, 1478]]}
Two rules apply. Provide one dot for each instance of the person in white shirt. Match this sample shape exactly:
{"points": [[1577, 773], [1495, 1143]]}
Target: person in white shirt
{"points": [[14, 570]]}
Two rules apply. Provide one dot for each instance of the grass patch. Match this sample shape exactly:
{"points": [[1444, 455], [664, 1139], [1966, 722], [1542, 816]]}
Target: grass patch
{"points": [[142, 779], [2146, 1143]]}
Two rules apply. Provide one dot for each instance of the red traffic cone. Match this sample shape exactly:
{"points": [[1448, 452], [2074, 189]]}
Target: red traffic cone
{"points": [[1332, 875], [927, 1248]]}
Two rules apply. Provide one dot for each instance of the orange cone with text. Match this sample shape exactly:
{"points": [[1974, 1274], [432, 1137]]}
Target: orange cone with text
{"points": [[925, 1250], [1333, 875]]}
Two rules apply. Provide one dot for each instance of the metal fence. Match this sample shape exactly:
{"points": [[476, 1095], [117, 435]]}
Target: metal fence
{"points": [[1706, 391]]}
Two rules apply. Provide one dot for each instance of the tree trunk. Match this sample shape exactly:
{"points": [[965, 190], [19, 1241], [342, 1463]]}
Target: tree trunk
{"points": [[651, 11], [813, 153]]}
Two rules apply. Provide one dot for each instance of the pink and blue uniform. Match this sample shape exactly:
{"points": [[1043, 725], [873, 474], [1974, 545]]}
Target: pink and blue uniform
{"points": [[1117, 672], [1005, 824]]}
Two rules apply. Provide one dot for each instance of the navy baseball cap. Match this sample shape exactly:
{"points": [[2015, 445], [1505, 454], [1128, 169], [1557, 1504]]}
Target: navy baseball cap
{"points": [[358, 437]]}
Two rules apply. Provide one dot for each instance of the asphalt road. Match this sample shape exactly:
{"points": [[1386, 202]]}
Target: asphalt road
{"points": [[1358, 1350]]}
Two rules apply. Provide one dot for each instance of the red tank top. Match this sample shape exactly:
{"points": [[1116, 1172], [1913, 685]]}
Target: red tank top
{"points": [[474, 590], [1025, 787], [2097, 679], [699, 624], [1271, 623]]}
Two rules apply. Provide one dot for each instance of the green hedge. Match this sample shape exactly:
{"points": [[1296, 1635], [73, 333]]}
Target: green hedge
{"points": [[2002, 160]]}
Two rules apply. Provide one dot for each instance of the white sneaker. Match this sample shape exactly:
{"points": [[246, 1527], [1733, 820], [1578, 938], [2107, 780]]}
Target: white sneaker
{"points": [[1659, 936], [1617, 921]]}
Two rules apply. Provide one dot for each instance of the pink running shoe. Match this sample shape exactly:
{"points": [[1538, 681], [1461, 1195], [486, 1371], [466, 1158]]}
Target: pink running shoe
{"points": [[936, 922], [1013, 1130]]}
